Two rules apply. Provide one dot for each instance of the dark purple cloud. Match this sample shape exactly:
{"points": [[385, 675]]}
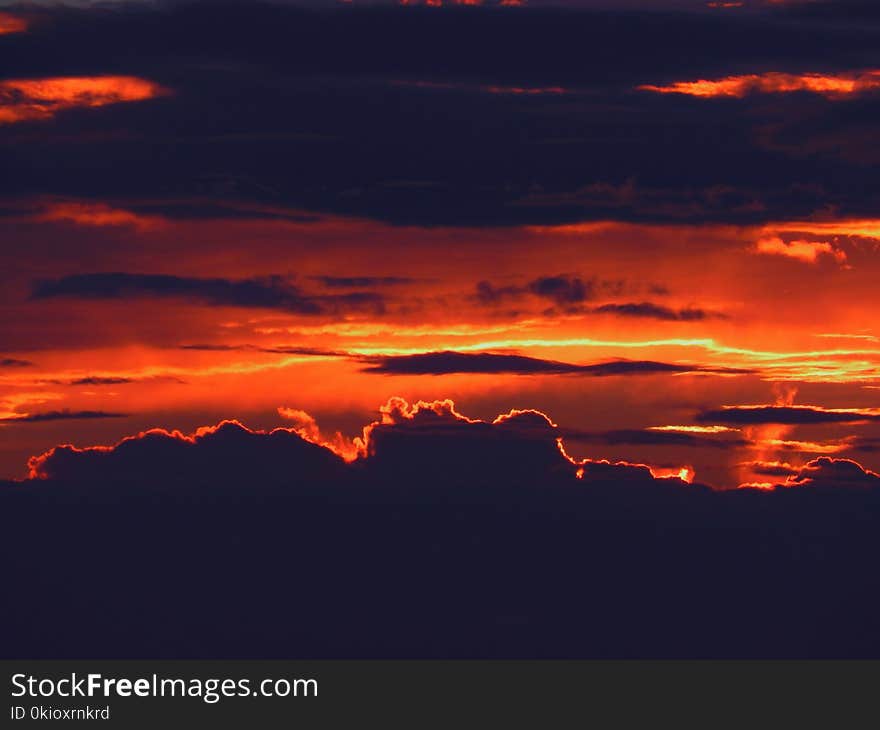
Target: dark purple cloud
{"points": [[786, 415], [443, 363], [271, 292]]}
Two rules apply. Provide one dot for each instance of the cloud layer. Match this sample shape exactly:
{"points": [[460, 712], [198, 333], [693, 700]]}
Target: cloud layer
{"points": [[589, 146]]}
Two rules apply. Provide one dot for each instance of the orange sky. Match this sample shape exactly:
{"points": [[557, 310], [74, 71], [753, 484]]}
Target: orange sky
{"points": [[798, 325], [688, 283]]}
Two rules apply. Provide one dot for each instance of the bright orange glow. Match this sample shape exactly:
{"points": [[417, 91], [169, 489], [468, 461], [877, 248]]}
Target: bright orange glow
{"points": [[857, 227], [831, 86], [180, 362], [694, 429], [33, 99], [807, 251], [10, 23], [685, 473], [307, 427], [808, 447], [768, 486]]}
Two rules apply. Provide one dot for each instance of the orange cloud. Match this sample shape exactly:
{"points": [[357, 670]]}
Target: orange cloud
{"points": [[34, 99], [685, 473], [97, 214], [808, 447], [10, 23], [857, 227], [831, 86], [807, 251], [694, 429]]}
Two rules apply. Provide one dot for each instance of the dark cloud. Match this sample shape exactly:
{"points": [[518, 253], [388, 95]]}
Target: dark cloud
{"points": [[786, 415], [61, 416], [442, 446], [823, 473], [472, 539], [271, 292], [92, 380], [11, 362], [562, 290], [313, 134], [834, 473], [226, 453], [277, 350], [430, 439], [489, 295], [569, 293], [771, 468], [361, 282], [443, 363], [648, 437], [109, 380], [649, 310], [865, 444], [213, 347]]}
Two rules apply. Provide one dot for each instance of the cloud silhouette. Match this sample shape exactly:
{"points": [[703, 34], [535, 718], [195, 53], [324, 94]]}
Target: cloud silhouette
{"points": [[221, 454], [832, 473], [426, 442], [434, 443], [569, 294], [649, 310], [277, 350], [61, 416], [271, 292], [562, 290], [95, 380], [771, 468], [648, 437], [582, 159], [11, 362], [565, 291], [450, 362], [785, 415], [361, 282], [471, 539]]}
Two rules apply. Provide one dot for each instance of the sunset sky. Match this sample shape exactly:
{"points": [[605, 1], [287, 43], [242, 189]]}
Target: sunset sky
{"points": [[658, 223]]}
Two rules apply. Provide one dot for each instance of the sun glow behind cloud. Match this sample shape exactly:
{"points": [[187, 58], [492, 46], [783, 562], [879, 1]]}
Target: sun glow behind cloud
{"points": [[831, 86], [35, 99], [807, 251], [10, 23]]}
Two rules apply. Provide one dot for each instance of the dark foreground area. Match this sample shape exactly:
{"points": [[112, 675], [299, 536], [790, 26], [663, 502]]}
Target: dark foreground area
{"points": [[596, 570]]}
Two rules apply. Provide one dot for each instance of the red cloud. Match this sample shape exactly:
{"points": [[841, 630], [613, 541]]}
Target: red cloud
{"points": [[97, 214], [10, 23]]}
